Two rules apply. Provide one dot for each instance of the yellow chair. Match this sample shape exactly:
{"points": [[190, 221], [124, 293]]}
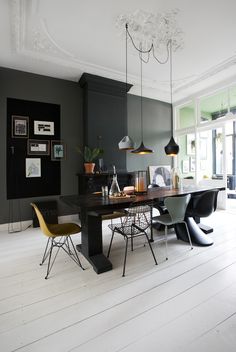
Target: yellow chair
{"points": [[59, 235]]}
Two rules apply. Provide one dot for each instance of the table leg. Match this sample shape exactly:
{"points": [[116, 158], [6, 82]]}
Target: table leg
{"points": [[91, 241]]}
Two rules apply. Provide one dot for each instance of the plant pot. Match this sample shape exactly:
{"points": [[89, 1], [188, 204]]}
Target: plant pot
{"points": [[89, 168]]}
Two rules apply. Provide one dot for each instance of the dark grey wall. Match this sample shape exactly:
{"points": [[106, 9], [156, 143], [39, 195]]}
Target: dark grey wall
{"points": [[22, 85], [156, 131]]}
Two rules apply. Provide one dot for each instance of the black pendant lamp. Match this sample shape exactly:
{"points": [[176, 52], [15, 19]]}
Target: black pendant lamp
{"points": [[126, 143], [172, 148], [141, 150]]}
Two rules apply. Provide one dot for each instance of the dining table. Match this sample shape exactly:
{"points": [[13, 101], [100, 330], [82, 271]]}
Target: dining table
{"points": [[91, 208]]}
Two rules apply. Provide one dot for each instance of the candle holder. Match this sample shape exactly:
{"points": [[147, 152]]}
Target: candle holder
{"points": [[140, 182]]}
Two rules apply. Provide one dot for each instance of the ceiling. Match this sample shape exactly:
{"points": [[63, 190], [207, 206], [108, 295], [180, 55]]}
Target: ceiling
{"points": [[64, 38]]}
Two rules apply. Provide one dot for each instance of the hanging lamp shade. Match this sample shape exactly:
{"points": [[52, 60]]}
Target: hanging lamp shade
{"points": [[126, 143], [141, 150], [172, 148]]}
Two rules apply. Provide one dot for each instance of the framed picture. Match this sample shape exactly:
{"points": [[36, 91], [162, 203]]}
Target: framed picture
{"points": [[192, 164], [38, 147], [32, 167], [160, 175], [190, 144], [44, 128], [185, 166], [20, 126], [58, 150]]}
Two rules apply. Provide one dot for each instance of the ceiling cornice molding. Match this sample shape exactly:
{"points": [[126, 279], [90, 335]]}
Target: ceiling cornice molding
{"points": [[31, 37], [226, 64]]}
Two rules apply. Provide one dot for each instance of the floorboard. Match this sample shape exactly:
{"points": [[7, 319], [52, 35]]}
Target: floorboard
{"points": [[184, 304]]}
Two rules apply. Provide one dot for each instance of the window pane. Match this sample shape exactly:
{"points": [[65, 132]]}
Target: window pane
{"points": [[218, 146], [232, 99], [186, 116], [214, 107], [205, 155], [229, 155], [187, 155], [229, 128]]}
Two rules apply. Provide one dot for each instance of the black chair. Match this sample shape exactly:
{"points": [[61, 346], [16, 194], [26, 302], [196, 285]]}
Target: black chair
{"points": [[201, 206], [134, 224]]}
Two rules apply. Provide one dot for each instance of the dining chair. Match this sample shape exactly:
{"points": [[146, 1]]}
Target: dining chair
{"points": [[59, 236], [176, 207], [201, 206], [134, 224]]}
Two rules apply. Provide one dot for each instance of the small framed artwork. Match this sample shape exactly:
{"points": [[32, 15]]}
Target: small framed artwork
{"points": [[185, 166], [20, 126], [160, 175], [58, 150], [190, 144], [38, 147], [44, 128], [192, 164], [32, 167]]}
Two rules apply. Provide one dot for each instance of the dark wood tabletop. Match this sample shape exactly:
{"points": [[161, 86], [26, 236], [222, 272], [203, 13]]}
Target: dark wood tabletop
{"points": [[98, 202]]}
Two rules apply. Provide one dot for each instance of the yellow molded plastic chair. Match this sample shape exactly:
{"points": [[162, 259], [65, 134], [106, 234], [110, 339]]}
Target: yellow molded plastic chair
{"points": [[59, 235]]}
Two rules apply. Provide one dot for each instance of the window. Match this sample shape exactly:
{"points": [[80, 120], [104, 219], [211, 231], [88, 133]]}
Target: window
{"points": [[213, 107], [186, 116]]}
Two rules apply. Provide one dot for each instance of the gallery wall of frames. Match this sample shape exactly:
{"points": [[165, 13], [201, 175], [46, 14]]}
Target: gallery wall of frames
{"points": [[34, 149]]}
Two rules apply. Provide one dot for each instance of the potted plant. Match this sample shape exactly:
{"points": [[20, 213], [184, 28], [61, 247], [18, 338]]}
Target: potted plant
{"points": [[89, 155]]}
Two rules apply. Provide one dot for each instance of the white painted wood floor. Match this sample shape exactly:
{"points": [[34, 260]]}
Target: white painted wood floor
{"points": [[187, 303]]}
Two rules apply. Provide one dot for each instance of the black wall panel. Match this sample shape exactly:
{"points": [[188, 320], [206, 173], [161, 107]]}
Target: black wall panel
{"points": [[18, 185]]}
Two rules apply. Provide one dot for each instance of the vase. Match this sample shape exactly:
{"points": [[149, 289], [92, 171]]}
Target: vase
{"points": [[89, 168]]}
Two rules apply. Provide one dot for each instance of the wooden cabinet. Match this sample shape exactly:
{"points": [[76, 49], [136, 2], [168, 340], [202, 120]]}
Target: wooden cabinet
{"points": [[89, 183]]}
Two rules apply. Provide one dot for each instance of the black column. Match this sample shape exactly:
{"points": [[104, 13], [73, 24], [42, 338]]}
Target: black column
{"points": [[104, 113]]}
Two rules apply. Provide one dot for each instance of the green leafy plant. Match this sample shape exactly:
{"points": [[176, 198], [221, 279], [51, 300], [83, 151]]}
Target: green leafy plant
{"points": [[89, 154]]}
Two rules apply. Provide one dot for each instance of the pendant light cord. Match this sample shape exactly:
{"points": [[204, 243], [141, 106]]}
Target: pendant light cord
{"points": [[126, 68], [148, 51], [141, 76], [171, 87]]}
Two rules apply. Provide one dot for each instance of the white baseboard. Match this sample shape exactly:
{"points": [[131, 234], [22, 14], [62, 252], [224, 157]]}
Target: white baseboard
{"points": [[17, 226]]}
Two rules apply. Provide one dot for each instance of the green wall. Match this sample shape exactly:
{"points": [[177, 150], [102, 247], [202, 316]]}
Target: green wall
{"points": [[156, 131]]}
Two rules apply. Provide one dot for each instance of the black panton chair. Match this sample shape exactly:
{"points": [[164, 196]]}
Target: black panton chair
{"points": [[59, 236], [201, 206]]}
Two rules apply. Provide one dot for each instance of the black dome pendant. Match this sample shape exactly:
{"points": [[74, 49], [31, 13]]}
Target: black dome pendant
{"points": [[172, 148], [141, 150]]}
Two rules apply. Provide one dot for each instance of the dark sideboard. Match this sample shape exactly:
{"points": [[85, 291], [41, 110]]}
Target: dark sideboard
{"points": [[89, 183]]}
